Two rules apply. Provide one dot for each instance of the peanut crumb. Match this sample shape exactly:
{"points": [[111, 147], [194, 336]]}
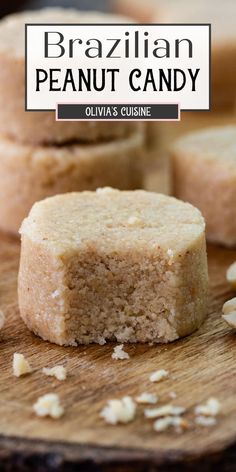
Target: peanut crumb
{"points": [[49, 405], [180, 424], [20, 365], [58, 371], [162, 424], [205, 421], [231, 275], [230, 319], [165, 423], [210, 408], [158, 375], [166, 410], [119, 353], [147, 398], [229, 312], [229, 306], [119, 411]]}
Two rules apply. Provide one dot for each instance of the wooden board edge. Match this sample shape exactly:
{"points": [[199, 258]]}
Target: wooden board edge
{"points": [[27, 455]]}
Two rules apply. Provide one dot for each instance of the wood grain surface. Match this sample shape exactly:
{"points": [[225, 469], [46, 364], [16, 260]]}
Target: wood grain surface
{"points": [[201, 365]]}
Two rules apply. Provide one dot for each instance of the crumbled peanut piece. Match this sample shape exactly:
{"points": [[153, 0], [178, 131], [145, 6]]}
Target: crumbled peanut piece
{"points": [[205, 421], [158, 375], [165, 423], [166, 410], [134, 221], [147, 398], [229, 306], [229, 312], [119, 411], [49, 405], [119, 353], [20, 365], [230, 319], [104, 191], [180, 424], [58, 371], [231, 275], [211, 408], [162, 424], [2, 319]]}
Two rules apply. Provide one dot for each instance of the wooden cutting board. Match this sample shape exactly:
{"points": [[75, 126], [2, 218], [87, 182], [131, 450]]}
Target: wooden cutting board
{"points": [[201, 366]]}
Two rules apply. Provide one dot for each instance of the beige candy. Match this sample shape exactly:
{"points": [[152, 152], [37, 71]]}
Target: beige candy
{"points": [[114, 281], [204, 174], [41, 127], [31, 173]]}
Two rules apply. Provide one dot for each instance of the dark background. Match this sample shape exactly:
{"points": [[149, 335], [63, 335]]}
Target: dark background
{"points": [[9, 6]]}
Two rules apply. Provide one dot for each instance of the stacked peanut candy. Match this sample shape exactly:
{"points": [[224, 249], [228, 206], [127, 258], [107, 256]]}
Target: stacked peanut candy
{"points": [[40, 156]]}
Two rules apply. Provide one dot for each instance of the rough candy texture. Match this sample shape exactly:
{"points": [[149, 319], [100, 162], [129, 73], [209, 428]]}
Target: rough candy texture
{"points": [[87, 275], [204, 174], [42, 127], [31, 173]]}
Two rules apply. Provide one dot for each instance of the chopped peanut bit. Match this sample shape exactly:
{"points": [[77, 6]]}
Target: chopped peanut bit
{"points": [[119, 353], [180, 424], [147, 398], [49, 405], [158, 375], [58, 371], [230, 319], [163, 424], [119, 411], [231, 275], [229, 306], [229, 312], [169, 421], [205, 421], [211, 408], [166, 410], [20, 365], [2, 319]]}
